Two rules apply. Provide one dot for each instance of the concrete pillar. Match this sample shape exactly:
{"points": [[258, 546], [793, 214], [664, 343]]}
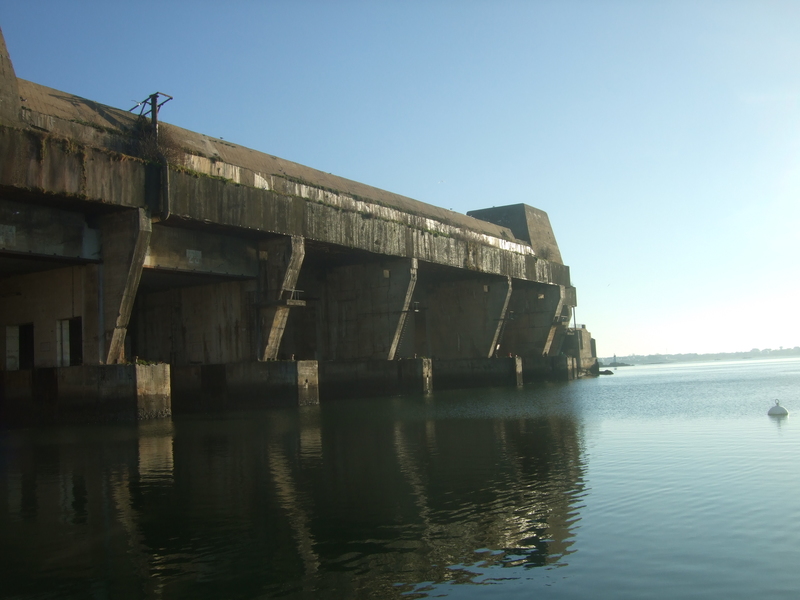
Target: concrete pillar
{"points": [[125, 238], [279, 267]]}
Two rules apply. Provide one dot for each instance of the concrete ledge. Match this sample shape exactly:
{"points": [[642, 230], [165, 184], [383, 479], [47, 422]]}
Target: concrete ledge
{"points": [[477, 372], [236, 385], [86, 393], [350, 379]]}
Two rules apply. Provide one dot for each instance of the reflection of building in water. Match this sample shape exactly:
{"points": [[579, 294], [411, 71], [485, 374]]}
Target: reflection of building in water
{"points": [[67, 513], [408, 500], [288, 502], [155, 449]]}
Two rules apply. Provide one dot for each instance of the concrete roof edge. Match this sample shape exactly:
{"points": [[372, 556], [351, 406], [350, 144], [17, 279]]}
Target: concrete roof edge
{"points": [[75, 109]]}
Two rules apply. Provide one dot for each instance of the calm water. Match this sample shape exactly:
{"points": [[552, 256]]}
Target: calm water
{"points": [[656, 482]]}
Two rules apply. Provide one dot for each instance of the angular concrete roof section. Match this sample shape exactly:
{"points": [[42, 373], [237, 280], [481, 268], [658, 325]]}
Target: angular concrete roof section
{"points": [[527, 224], [9, 90]]}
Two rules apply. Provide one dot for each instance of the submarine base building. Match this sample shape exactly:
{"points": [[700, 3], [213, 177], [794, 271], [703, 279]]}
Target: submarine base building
{"points": [[145, 268]]}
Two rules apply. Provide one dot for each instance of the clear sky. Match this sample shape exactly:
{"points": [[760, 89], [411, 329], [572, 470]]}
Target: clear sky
{"points": [[662, 138]]}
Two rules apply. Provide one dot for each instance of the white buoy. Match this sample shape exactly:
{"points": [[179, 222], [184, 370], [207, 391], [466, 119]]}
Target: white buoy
{"points": [[777, 410]]}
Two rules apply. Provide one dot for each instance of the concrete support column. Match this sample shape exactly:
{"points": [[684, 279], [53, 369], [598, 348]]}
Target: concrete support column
{"points": [[558, 327], [401, 321], [279, 267], [125, 238], [502, 316]]}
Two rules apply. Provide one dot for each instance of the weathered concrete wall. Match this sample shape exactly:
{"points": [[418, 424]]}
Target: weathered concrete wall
{"points": [[31, 231], [463, 317], [351, 379], [476, 372], [187, 251], [87, 393], [536, 320], [206, 199], [578, 344], [361, 307], [208, 324], [246, 384], [36, 162], [273, 382], [43, 299]]}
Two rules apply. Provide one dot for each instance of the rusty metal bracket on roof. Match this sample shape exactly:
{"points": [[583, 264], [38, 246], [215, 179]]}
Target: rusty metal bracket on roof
{"points": [[151, 105]]}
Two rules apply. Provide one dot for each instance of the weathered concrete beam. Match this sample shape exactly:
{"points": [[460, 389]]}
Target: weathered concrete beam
{"points": [[190, 251], [39, 232], [279, 267], [125, 239]]}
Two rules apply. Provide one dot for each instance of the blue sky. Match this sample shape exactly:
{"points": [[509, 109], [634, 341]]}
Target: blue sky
{"points": [[662, 138]]}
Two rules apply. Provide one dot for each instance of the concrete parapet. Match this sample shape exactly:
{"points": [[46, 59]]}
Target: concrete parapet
{"points": [[477, 372], [359, 378], [86, 393], [246, 384]]}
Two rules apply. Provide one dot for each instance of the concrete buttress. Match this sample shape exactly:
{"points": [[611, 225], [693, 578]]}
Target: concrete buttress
{"points": [[279, 267], [558, 326], [501, 319], [401, 321], [125, 237]]}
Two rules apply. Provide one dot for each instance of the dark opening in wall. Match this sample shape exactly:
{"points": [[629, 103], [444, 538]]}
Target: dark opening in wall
{"points": [[26, 346], [75, 341]]}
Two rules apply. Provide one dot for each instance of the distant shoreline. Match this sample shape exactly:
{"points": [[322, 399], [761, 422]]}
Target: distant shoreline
{"points": [[662, 359]]}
